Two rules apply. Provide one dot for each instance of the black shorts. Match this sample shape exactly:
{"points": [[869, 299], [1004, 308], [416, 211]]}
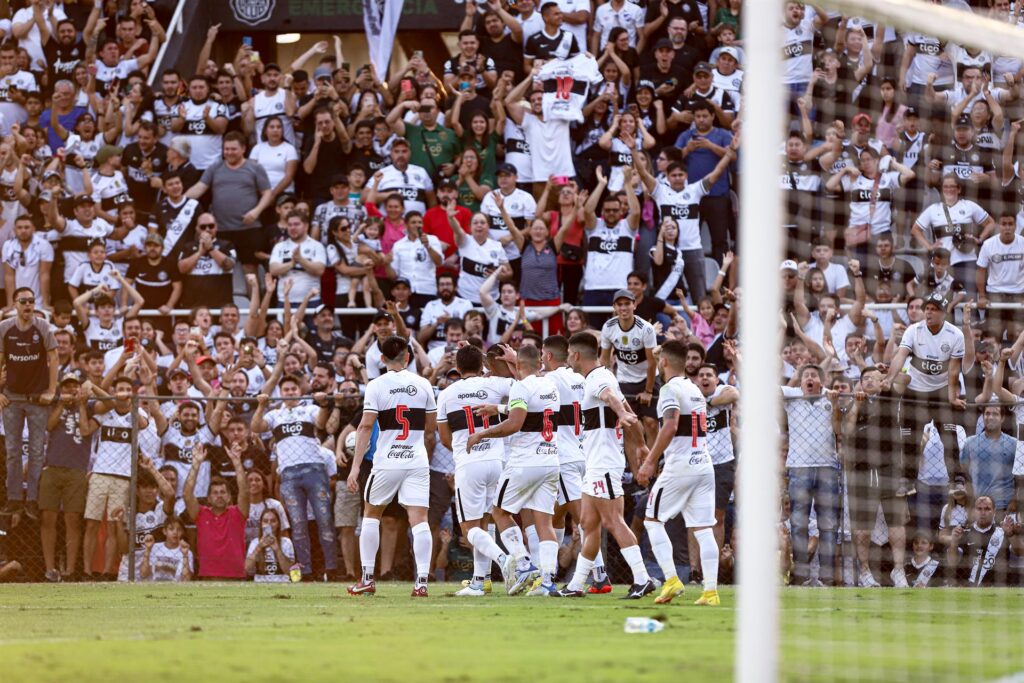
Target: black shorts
{"points": [[866, 489], [725, 480], [630, 391], [440, 498], [247, 242]]}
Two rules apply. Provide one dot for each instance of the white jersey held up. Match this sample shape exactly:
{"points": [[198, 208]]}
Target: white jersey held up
{"points": [[567, 83]]}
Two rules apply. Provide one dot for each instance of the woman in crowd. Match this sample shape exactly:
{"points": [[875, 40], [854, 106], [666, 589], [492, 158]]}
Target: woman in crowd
{"points": [[269, 557]]}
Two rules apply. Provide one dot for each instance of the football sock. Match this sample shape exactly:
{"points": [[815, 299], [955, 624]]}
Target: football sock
{"points": [[481, 566], [560, 535], [661, 546], [708, 558], [548, 560], [579, 577], [421, 547], [532, 541], [513, 540], [483, 543], [636, 563], [599, 572], [369, 543]]}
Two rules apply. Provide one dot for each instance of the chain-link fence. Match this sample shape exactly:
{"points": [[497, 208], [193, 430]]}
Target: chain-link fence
{"points": [[884, 489], [94, 480]]}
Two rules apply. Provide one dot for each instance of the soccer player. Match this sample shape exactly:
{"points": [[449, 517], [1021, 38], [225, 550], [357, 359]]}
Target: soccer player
{"points": [[571, 461], [476, 472], [402, 403], [687, 482], [604, 411], [530, 479]]}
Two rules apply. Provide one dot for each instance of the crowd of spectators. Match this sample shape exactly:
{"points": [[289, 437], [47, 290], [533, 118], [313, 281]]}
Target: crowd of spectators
{"points": [[565, 151]]}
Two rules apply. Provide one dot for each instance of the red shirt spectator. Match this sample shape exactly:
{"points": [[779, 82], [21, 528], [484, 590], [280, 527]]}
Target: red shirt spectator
{"points": [[220, 527]]}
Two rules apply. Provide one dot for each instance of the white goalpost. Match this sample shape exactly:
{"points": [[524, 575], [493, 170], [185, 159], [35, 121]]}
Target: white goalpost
{"points": [[757, 653]]}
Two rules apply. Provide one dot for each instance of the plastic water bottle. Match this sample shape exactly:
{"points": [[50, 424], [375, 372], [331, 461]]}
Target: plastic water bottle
{"points": [[642, 625]]}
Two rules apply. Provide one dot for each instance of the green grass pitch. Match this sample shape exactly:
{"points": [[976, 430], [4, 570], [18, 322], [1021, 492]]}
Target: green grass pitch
{"points": [[307, 632]]}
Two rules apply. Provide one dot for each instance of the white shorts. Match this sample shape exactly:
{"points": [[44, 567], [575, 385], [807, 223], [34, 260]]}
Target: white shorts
{"points": [[411, 486], [533, 488], [476, 486], [605, 484], [693, 495], [570, 481]]}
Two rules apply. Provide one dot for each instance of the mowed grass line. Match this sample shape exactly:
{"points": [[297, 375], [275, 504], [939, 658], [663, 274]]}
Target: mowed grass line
{"points": [[311, 632]]}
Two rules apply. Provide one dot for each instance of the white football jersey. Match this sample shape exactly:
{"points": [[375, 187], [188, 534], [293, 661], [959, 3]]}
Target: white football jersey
{"points": [[113, 444], [629, 348], [413, 184], [962, 216], [684, 207], [402, 400], [455, 407], [534, 444], [476, 261], [719, 434], [294, 431], [600, 423], [930, 354], [521, 208], [570, 424], [206, 144], [609, 256], [566, 84], [687, 453]]}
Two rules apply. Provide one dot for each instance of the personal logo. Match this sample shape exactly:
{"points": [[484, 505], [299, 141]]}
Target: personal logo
{"points": [[252, 12], [944, 348]]}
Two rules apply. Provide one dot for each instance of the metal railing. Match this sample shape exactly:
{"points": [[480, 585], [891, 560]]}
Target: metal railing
{"points": [[176, 25]]}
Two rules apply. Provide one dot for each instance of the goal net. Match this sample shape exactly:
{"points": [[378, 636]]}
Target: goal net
{"points": [[881, 539]]}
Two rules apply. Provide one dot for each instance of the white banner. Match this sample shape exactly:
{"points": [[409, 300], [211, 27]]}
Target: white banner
{"points": [[380, 19]]}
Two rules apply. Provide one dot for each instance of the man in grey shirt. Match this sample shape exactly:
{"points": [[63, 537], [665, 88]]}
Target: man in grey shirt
{"points": [[241, 192]]}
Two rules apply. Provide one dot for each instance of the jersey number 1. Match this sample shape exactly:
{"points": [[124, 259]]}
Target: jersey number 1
{"points": [[563, 87], [469, 419], [698, 420]]}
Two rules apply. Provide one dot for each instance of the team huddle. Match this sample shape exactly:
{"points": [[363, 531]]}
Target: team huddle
{"points": [[544, 433]]}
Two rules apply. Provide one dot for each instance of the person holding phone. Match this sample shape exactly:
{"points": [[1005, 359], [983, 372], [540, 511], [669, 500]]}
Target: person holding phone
{"points": [[270, 556]]}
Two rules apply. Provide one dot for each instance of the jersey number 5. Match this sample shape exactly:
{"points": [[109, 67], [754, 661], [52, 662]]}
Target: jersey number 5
{"points": [[547, 431], [400, 412]]}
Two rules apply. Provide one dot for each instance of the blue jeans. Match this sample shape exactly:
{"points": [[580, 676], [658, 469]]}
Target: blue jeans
{"points": [[15, 416], [302, 484], [693, 272], [820, 486], [927, 504]]}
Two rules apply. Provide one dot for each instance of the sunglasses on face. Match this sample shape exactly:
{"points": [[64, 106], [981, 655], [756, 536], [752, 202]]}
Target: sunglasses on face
{"points": [[207, 226], [25, 301]]}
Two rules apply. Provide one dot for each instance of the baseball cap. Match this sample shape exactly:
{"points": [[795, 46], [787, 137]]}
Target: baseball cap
{"points": [[861, 116], [179, 371], [702, 67], [446, 182], [940, 252], [271, 67], [339, 179], [154, 238], [645, 83], [322, 72], [285, 197], [204, 359], [623, 294], [936, 299], [731, 51], [663, 44], [507, 168], [70, 377], [910, 111], [788, 264], [401, 281], [964, 121], [84, 199], [381, 314]]}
